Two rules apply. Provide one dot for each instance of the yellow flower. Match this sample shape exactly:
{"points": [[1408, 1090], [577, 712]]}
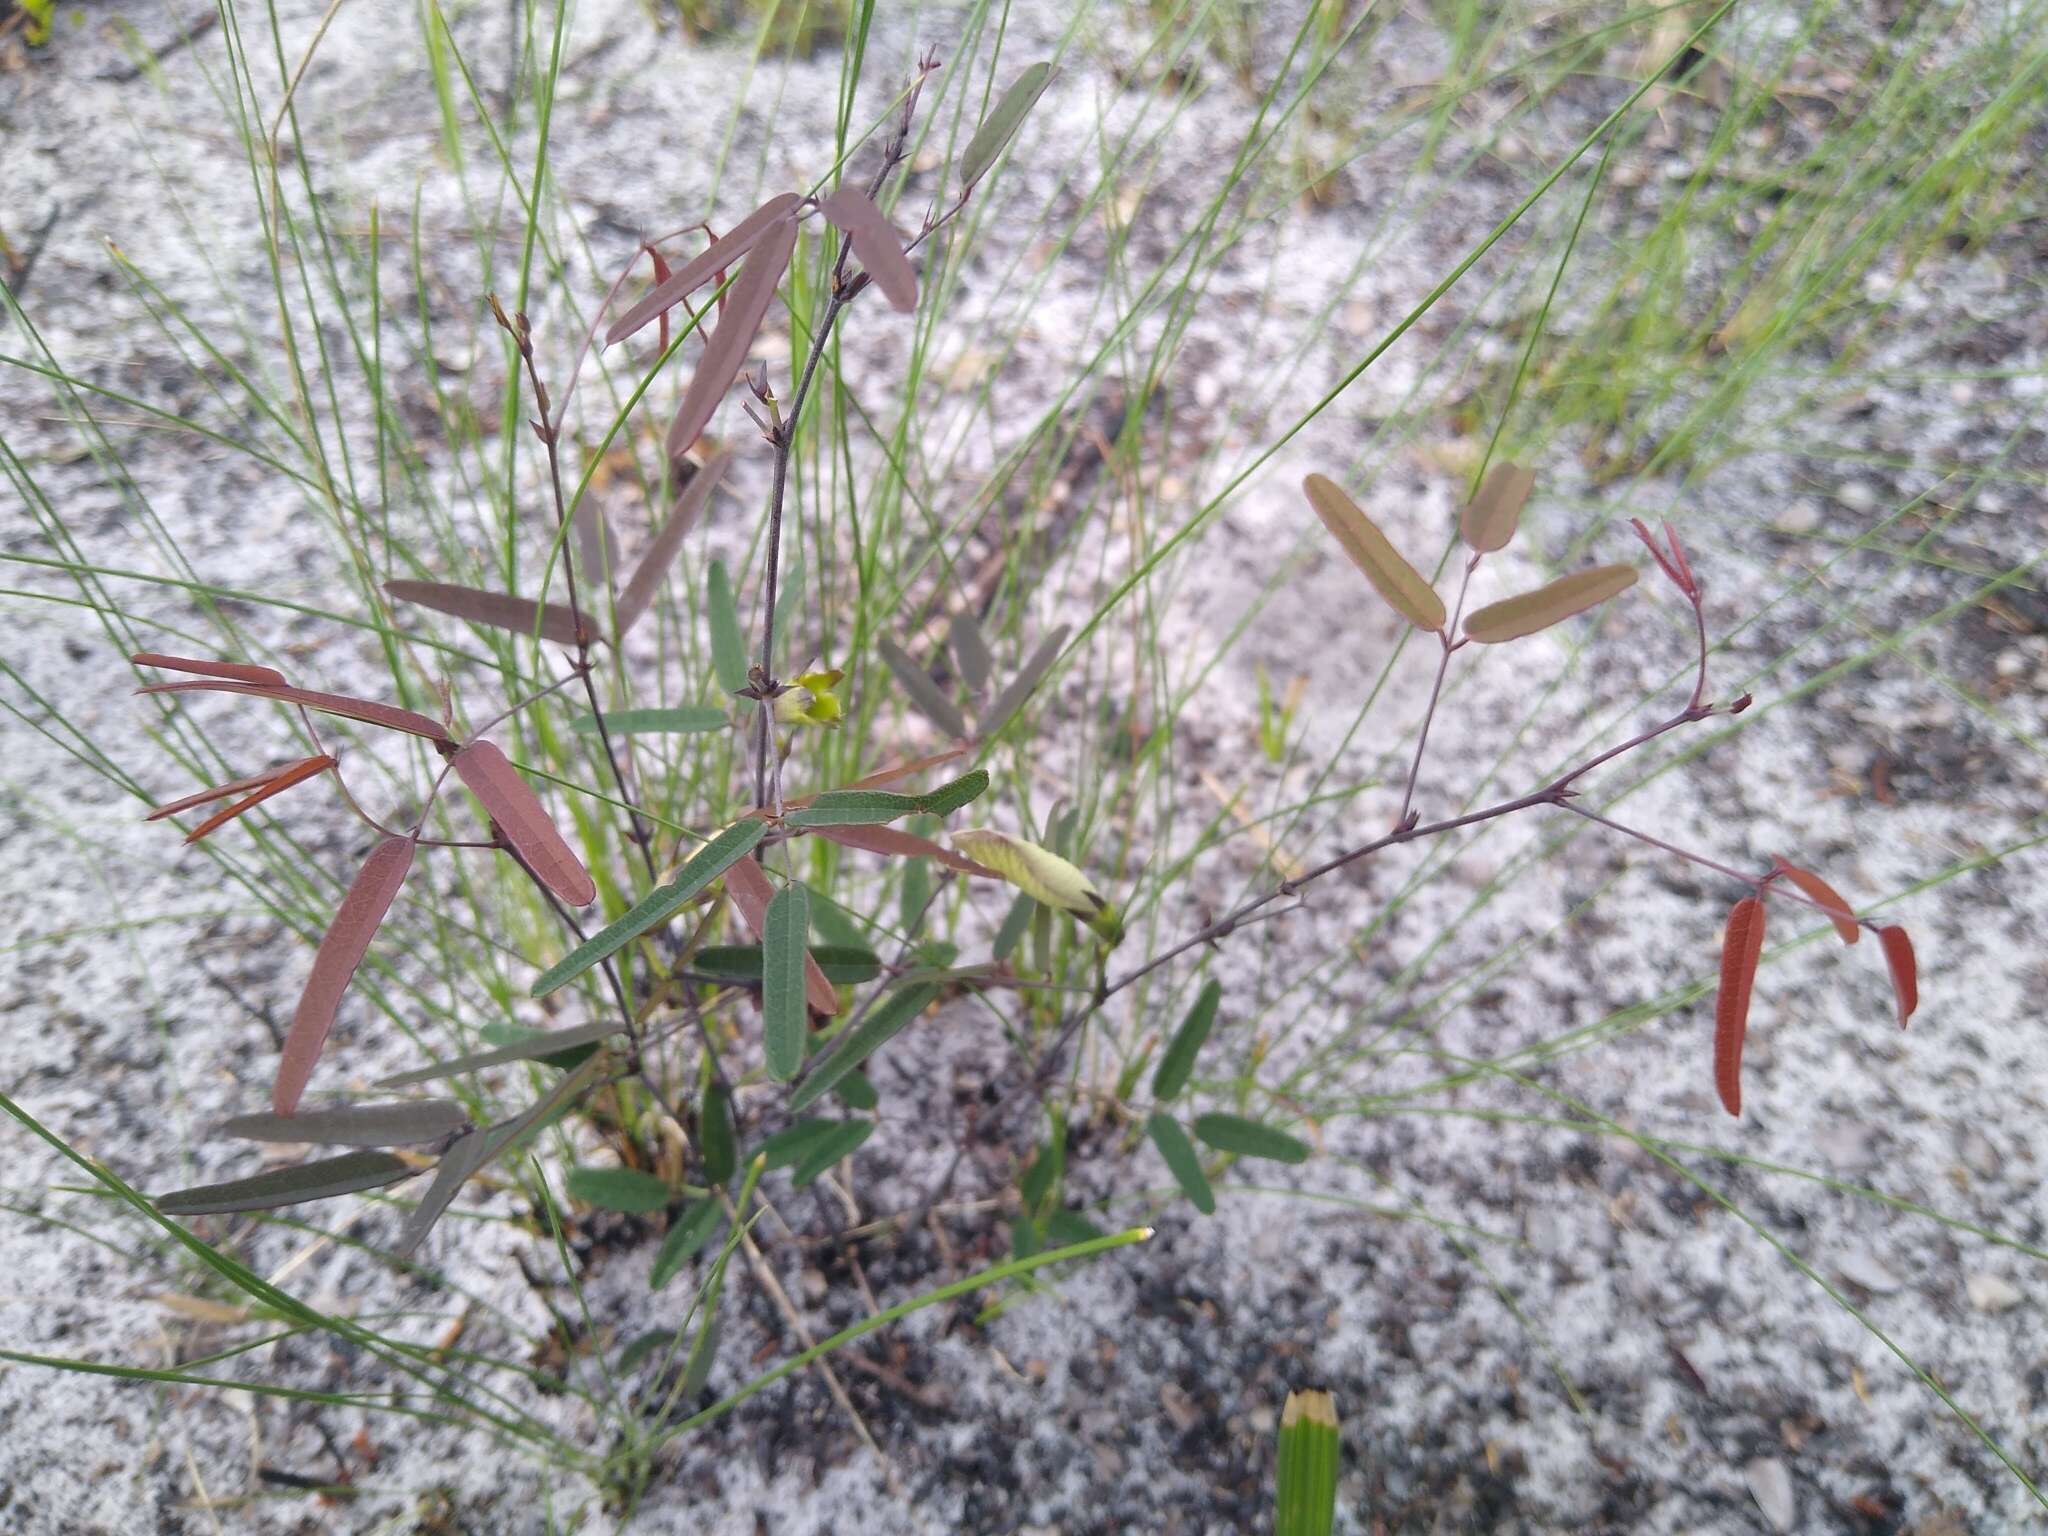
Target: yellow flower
{"points": [[810, 700], [1042, 875]]}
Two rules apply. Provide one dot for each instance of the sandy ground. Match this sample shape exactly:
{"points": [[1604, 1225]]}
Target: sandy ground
{"points": [[1610, 1349]]}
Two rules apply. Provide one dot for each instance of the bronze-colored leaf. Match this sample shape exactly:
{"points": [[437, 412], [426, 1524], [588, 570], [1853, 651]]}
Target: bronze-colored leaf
{"points": [[726, 353], [699, 270], [1742, 945], [233, 671], [752, 891], [497, 610], [218, 792], [369, 711], [524, 821], [1899, 960], [1826, 897], [292, 773], [661, 554], [1548, 605], [875, 242], [341, 951], [1491, 517], [1396, 581], [903, 845]]}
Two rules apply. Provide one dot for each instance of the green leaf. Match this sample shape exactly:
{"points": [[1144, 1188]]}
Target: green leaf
{"points": [[1064, 1228], [785, 1020], [514, 1034], [703, 1354], [691, 1231], [321, 1180], [1001, 125], [465, 1155], [789, 1144], [857, 1092], [659, 904], [357, 1125], [1248, 1138], [1043, 1176], [1018, 689], [1015, 921], [928, 696], [717, 1144], [856, 1045], [548, 1046], [843, 964], [728, 645], [682, 718], [1182, 1161], [619, 1189], [970, 650], [510, 1135], [1306, 1475], [1178, 1063], [827, 1150], [642, 1349], [871, 807]]}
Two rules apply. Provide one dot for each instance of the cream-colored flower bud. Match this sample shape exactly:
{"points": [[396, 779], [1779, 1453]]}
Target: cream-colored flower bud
{"points": [[1042, 875]]}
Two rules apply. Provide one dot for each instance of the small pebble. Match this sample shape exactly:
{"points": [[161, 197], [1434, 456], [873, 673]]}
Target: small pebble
{"points": [[1989, 1293], [1771, 1486], [1862, 1269]]}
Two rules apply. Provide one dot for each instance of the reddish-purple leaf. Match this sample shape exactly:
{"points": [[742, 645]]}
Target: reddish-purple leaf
{"points": [[342, 949], [1742, 945], [694, 274], [875, 242], [1898, 959], [218, 792], [369, 711], [1673, 564], [751, 891], [904, 845], [524, 821], [661, 554], [724, 355], [498, 610], [1826, 897], [234, 671], [293, 773], [661, 275]]}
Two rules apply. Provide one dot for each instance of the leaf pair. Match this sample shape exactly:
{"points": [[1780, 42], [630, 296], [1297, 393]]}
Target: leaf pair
{"points": [[1742, 943], [974, 664], [274, 782]]}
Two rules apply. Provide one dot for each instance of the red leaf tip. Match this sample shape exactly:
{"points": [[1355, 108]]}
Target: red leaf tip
{"points": [[1905, 969]]}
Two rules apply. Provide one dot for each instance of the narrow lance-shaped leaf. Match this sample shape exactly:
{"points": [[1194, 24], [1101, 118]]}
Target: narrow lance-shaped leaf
{"points": [[895, 843], [930, 699], [699, 270], [1548, 605], [691, 1231], [1018, 689], [1742, 945], [280, 781], [1490, 518], [682, 719], [784, 953], [848, 963], [728, 645], [341, 951], [321, 1180], [1182, 1161], [1905, 970], [551, 1043], [1305, 1481], [883, 1023], [1398, 582], [618, 1189], [726, 353], [970, 650], [875, 242], [369, 711], [684, 515], [842, 1141], [1826, 897], [1178, 1064], [715, 1140], [595, 544], [464, 1156], [1002, 123], [524, 821], [233, 671], [356, 1125], [218, 792], [871, 807], [753, 892], [795, 1141], [890, 773], [496, 610], [1249, 1138]]}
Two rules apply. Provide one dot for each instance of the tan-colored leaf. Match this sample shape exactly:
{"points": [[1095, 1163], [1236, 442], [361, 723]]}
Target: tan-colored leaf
{"points": [[497, 610], [341, 951], [751, 891], [1742, 945], [1490, 518], [726, 353], [1548, 605], [1905, 969], [369, 711], [233, 671], [524, 821], [1396, 581], [1826, 897], [661, 554], [875, 242]]}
